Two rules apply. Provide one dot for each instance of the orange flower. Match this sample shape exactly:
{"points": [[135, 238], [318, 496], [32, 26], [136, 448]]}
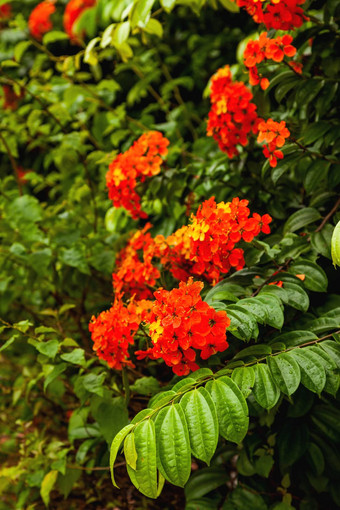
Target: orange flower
{"points": [[181, 324], [113, 331], [277, 14], [39, 20], [143, 159], [265, 49], [275, 134], [72, 12], [232, 116]]}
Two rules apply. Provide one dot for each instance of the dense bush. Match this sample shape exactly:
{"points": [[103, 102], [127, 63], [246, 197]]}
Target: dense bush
{"points": [[169, 191]]}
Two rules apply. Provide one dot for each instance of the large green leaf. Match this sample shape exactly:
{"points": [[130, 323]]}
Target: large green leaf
{"points": [[275, 316], [265, 390], [312, 371], [231, 407], [115, 446], [173, 445], [315, 277], [285, 372], [201, 418], [242, 323], [144, 477]]}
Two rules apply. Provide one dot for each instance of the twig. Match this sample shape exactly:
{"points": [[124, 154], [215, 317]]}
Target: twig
{"points": [[329, 215]]}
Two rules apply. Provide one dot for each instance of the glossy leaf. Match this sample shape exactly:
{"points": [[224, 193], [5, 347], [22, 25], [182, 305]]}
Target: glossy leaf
{"points": [[231, 407], [173, 445], [285, 372], [201, 418], [312, 371], [265, 391]]}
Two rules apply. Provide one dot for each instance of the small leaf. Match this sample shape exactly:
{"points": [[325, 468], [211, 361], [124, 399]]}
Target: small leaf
{"points": [[77, 357], [335, 245], [265, 391], [47, 485]]}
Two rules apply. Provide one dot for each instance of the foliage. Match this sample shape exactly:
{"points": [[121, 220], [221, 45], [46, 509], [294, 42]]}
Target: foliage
{"points": [[260, 417]]}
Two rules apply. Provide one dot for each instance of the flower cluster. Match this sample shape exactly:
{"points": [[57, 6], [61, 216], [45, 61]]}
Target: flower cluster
{"points": [[72, 12], [39, 20], [180, 324], [233, 115], [215, 231], [135, 274], [277, 14], [113, 331], [274, 134], [262, 50], [143, 159]]}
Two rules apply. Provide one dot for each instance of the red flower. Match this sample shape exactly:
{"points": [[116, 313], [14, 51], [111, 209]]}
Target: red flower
{"points": [[142, 160], [134, 272], [232, 116], [113, 331], [39, 20], [265, 49], [277, 14], [180, 324], [72, 12], [274, 133]]}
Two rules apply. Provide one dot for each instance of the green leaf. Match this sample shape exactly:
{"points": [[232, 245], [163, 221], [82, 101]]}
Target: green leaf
{"points": [[49, 348], [57, 370], [242, 323], [8, 342], [53, 36], [297, 297], [292, 442], [230, 5], [146, 386], [115, 446], [77, 357], [332, 349], [265, 390], [201, 418], [168, 5], [244, 377], [204, 481], [20, 49], [254, 350], [300, 219], [285, 372], [141, 13], [110, 414], [94, 383], [47, 485], [154, 27], [173, 445], [121, 33], [313, 375], [130, 452], [315, 277], [161, 398], [256, 308], [231, 407], [275, 317], [321, 241], [293, 338], [324, 324]]}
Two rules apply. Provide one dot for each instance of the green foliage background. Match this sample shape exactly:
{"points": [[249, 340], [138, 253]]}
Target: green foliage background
{"points": [[60, 407]]}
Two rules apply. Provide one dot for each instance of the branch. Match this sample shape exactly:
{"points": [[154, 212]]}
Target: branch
{"points": [[329, 215]]}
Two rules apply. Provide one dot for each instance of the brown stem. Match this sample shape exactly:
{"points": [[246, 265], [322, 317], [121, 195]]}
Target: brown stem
{"points": [[280, 268], [329, 215]]}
